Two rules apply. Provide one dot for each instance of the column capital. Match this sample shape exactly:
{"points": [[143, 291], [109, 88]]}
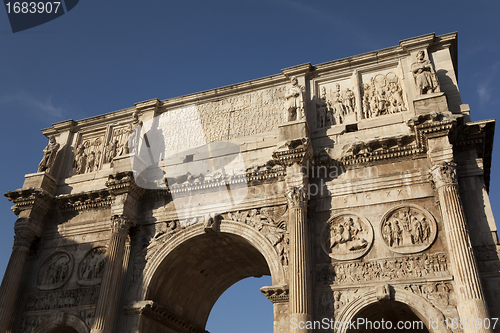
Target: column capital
{"points": [[296, 197], [24, 237], [444, 173], [121, 224]]}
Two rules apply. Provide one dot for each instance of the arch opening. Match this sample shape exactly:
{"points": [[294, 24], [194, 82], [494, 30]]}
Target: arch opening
{"points": [[387, 316], [63, 329], [192, 277]]}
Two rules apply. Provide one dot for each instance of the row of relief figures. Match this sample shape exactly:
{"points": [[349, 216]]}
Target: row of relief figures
{"points": [[381, 94]]}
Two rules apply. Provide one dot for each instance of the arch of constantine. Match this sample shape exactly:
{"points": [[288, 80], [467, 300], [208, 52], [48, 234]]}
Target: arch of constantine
{"points": [[359, 185]]}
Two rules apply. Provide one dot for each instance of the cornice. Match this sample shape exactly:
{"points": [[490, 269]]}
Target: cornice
{"points": [[29, 199], [84, 200]]}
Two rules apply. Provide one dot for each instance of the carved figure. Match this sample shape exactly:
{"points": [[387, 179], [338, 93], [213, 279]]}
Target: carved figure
{"points": [[382, 96], [349, 101], [337, 106], [425, 77], [294, 100], [111, 150], [49, 155], [407, 229], [346, 237], [90, 162], [54, 271], [92, 265], [322, 109]]}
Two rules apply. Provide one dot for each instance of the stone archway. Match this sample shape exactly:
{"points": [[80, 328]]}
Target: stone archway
{"points": [[395, 303], [62, 322], [186, 277]]}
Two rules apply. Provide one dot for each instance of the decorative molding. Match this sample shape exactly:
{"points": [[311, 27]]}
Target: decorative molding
{"points": [[444, 174], [276, 294], [161, 315], [84, 201]]}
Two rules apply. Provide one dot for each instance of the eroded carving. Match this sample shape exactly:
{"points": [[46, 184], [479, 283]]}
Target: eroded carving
{"points": [[444, 173], [294, 104], [88, 156], [54, 271], [91, 268], [346, 236], [408, 229], [425, 77], [383, 95], [416, 266], [438, 293], [270, 221], [49, 155], [51, 300]]}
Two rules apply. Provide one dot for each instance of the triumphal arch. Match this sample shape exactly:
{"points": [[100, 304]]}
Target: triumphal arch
{"points": [[359, 185]]}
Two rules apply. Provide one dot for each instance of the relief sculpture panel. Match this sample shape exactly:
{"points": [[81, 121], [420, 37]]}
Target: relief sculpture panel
{"points": [[88, 154], [346, 236], [408, 229], [91, 268], [54, 271]]}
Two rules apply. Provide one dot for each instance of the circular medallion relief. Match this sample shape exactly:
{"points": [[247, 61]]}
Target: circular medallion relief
{"points": [[91, 268], [408, 229], [54, 271], [346, 236]]}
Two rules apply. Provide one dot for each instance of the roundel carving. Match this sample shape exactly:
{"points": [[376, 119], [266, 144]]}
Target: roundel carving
{"points": [[347, 236], [91, 268], [408, 229], [54, 271]]}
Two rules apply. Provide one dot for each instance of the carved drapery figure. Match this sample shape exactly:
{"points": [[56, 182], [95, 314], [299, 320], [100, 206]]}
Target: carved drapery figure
{"points": [[80, 160], [425, 77], [111, 150], [294, 103], [49, 155], [323, 110], [338, 106]]}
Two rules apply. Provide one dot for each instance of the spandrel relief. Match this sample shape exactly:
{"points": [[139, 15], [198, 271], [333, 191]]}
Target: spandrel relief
{"points": [[347, 236], [408, 229], [55, 271]]}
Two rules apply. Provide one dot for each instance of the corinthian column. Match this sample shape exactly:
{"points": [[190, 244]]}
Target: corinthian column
{"points": [[470, 302], [108, 296], [300, 306], [9, 289]]}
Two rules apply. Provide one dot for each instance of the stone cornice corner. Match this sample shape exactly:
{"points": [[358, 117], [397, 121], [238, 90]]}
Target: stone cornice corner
{"points": [[416, 43], [298, 70]]}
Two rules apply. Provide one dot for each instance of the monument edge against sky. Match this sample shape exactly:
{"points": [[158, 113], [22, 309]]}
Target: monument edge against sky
{"points": [[359, 185]]}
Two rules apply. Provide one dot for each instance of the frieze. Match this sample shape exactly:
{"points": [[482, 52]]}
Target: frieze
{"points": [[84, 200], [32, 322], [118, 143], [54, 271], [407, 267], [346, 236], [408, 229], [91, 268], [61, 299]]}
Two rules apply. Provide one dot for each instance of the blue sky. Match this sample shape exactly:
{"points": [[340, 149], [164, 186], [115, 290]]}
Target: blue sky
{"points": [[107, 55]]}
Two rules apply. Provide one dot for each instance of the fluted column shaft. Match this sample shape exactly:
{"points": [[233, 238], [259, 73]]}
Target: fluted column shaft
{"points": [[300, 286], [108, 295], [9, 290], [470, 302]]}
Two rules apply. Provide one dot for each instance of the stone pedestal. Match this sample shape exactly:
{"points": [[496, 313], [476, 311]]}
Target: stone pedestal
{"points": [[430, 102]]}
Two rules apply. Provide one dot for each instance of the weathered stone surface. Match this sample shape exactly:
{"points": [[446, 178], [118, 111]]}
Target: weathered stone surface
{"points": [[360, 185]]}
